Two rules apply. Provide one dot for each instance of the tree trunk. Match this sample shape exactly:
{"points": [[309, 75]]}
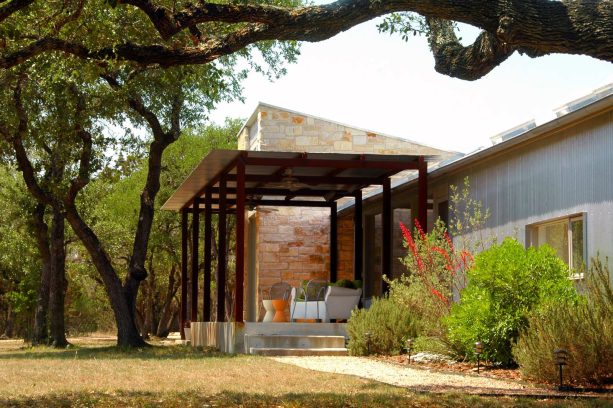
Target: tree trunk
{"points": [[58, 284], [40, 333], [127, 331], [167, 309], [10, 323]]}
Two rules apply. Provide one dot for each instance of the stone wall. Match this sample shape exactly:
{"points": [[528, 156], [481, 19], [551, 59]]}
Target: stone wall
{"points": [[293, 243], [279, 130]]}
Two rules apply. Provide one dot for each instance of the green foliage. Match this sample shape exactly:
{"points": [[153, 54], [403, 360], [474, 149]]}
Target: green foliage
{"points": [[345, 283], [468, 218], [506, 283], [435, 269], [584, 328], [431, 345], [389, 324]]}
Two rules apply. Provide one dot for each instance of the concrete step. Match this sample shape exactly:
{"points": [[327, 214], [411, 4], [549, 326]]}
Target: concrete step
{"points": [[294, 341], [282, 351]]}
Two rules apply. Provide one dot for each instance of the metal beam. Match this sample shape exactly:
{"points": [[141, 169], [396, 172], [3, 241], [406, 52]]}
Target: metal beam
{"points": [[422, 195], [334, 164], [333, 243], [240, 242], [193, 316], [221, 254], [314, 180], [358, 238], [208, 235], [184, 233], [386, 249]]}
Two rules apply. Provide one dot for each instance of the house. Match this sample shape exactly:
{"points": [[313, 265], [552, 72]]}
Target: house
{"points": [[316, 199], [549, 183]]}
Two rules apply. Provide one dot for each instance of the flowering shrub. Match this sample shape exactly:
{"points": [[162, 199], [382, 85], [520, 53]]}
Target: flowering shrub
{"points": [[436, 271]]}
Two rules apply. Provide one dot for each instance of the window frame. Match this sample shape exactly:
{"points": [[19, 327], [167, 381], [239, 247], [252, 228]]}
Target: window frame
{"points": [[531, 234]]}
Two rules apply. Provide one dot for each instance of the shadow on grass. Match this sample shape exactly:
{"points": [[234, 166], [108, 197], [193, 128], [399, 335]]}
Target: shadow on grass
{"points": [[234, 399], [114, 352]]}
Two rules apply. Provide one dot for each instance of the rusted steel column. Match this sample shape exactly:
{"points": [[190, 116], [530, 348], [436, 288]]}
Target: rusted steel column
{"points": [[386, 220], [206, 293], [240, 241], [333, 242], [195, 249], [184, 232], [422, 196], [358, 238], [221, 253]]}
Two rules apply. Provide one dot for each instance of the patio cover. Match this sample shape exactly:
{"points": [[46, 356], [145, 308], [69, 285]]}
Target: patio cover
{"points": [[230, 181]]}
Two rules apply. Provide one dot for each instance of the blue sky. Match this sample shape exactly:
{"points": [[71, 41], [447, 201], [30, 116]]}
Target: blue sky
{"points": [[382, 83]]}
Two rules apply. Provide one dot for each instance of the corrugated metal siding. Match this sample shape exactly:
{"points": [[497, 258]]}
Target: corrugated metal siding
{"points": [[568, 173]]}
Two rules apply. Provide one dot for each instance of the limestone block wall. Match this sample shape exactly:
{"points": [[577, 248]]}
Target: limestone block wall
{"points": [[280, 130], [292, 244]]}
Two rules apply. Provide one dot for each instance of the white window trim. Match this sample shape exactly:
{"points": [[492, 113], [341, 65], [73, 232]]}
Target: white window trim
{"points": [[569, 219]]}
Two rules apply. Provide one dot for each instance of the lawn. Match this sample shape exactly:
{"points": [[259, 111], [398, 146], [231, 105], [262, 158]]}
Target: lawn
{"points": [[94, 373]]}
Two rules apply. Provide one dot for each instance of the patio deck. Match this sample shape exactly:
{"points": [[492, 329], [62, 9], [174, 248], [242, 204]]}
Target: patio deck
{"points": [[271, 338]]}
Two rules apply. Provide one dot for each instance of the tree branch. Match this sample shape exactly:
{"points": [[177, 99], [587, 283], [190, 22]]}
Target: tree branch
{"points": [[536, 27], [16, 139], [12, 7], [82, 179], [455, 60]]}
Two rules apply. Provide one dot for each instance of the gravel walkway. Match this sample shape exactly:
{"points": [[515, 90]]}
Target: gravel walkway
{"points": [[414, 378]]}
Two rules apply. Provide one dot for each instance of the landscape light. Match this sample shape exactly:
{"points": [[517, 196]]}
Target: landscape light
{"points": [[560, 356], [409, 348], [478, 351]]}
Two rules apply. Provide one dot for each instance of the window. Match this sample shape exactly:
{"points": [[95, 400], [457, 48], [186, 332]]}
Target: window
{"points": [[565, 235]]}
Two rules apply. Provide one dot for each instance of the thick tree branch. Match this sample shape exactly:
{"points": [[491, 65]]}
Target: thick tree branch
{"points": [[12, 7], [536, 27], [455, 60], [82, 179], [16, 139]]}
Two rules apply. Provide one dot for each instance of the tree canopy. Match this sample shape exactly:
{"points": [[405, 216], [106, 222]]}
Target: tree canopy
{"points": [[171, 33]]}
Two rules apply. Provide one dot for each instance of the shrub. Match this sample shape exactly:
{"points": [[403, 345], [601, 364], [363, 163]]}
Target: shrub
{"points": [[585, 329], [390, 325], [431, 345], [505, 284], [435, 269]]}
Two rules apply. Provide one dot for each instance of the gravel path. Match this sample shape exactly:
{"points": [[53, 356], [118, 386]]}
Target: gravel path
{"points": [[414, 378]]}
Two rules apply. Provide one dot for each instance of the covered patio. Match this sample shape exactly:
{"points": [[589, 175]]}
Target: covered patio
{"points": [[230, 182]]}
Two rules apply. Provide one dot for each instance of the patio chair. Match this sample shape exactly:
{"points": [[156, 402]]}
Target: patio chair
{"points": [[307, 301], [340, 302]]}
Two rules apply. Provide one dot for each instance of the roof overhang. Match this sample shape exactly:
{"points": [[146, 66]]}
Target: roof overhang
{"points": [[287, 178]]}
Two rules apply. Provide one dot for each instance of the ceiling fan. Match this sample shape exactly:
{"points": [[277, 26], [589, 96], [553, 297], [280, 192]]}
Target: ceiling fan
{"points": [[289, 182]]}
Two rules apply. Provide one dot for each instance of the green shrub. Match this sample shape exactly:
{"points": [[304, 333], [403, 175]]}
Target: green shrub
{"points": [[345, 283], [505, 284], [431, 345], [585, 329], [390, 325]]}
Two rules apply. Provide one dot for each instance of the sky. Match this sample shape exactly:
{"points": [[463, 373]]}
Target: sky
{"points": [[381, 83]]}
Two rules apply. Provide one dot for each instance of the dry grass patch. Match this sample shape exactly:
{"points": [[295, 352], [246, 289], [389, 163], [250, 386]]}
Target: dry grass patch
{"points": [[95, 374]]}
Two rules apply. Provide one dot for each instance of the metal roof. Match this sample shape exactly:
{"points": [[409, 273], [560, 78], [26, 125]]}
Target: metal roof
{"points": [[289, 176]]}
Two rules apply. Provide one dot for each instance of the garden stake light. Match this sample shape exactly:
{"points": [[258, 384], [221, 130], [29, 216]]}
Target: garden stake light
{"points": [[409, 348], [560, 357], [368, 335], [478, 351]]}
